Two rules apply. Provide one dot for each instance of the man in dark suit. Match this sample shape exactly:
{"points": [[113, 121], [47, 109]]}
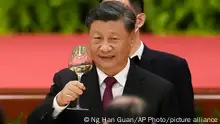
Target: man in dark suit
{"points": [[171, 67], [111, 35]]}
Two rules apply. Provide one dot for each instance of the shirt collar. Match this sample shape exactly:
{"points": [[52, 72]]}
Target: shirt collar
{"points": [[139, 51], [121, 77]]}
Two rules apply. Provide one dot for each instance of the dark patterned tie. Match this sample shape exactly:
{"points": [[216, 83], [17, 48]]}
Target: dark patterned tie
{"points": [[107, 97], [136, 60]]}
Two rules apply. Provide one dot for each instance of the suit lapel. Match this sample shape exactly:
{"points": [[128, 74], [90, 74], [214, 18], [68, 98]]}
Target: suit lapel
{"points": [[91, 97], [134, 81], [145, 61]]}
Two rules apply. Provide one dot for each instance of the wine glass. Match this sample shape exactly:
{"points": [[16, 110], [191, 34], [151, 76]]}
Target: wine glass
{"points": [[80, 62]]}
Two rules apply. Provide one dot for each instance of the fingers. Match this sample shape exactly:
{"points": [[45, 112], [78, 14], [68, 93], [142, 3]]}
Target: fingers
{"points": [[74, 89], [70, 98], [71, 92], [77, 84]]}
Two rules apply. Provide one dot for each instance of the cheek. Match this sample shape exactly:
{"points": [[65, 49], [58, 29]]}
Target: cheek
{"points": [[93, 50], [124, 49], [127, 44]]}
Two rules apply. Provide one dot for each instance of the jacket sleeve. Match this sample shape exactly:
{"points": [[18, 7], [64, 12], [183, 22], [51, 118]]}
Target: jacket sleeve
{"points": [[42, 114], [182, 77]]}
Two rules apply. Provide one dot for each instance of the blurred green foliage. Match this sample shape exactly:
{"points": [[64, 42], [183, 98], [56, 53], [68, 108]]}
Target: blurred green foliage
{"points": [[183, 16], [43, 16], [67, 16]]}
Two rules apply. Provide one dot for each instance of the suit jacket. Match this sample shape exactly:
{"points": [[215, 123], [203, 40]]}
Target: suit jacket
{"points": [[157, 92], [175, 70]]}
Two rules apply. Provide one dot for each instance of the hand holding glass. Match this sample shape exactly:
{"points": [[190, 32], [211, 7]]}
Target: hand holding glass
{"points": [[80, 62]]}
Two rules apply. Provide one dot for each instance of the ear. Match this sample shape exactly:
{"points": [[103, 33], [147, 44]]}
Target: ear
{"points": [[140, 20]]}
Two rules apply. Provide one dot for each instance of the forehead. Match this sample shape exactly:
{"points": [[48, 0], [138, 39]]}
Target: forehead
{"points": [[116, 27]]}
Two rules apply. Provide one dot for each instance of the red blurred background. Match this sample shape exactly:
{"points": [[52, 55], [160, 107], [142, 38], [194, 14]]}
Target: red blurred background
{"points": [[28, 63]]}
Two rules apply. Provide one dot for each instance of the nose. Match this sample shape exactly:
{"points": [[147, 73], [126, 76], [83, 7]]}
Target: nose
{"points": [[105, 47]]}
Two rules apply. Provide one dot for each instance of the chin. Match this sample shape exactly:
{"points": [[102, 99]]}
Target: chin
{"points": [[107, 66]]}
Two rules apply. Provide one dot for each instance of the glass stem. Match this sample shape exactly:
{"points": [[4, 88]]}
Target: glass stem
{"points": [[77, 101]]}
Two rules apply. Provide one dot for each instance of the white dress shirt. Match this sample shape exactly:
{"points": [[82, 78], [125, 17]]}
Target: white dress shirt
{"points": [[117, 88], [139, 51]]}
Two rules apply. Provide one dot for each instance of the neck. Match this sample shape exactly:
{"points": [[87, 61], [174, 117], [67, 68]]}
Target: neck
{"points": [[137, 44], [116, 70]]}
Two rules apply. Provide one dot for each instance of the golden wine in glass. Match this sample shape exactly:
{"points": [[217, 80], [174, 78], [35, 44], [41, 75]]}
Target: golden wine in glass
{"points": [[80, 62]]}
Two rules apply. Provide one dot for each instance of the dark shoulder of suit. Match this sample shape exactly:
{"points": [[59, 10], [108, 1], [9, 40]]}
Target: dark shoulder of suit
{"points": [[160, 60], [162, 63], [165, 56], [153, 80]]}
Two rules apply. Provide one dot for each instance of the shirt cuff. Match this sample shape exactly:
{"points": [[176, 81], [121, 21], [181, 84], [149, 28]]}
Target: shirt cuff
{"points": [[57, 109]]}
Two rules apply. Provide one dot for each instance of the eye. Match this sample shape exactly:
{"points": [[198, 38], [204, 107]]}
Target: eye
{"points": [[114, 38], [97, 37], [97, 40]]}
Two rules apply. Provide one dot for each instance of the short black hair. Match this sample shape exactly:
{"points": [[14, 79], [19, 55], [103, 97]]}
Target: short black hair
{"points": [[112, 11], [137, 5]]}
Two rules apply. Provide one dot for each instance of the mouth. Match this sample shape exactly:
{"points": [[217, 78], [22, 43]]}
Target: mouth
{"points": [[107, 57]]}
